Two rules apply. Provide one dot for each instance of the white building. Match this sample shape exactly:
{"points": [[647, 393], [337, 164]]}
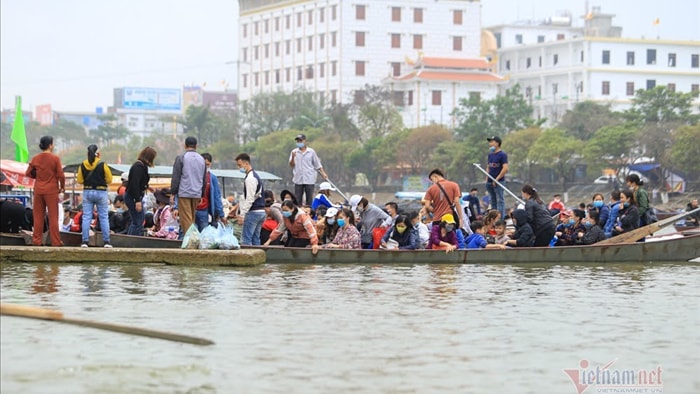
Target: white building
{"points": [[336, 47], [597, 65]]}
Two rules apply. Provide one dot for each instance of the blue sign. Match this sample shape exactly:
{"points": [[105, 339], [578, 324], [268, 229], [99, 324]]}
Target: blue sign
{"points": [[153, 99]]}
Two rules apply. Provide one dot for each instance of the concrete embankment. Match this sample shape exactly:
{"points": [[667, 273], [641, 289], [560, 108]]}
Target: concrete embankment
{"points": [[189, 257]]}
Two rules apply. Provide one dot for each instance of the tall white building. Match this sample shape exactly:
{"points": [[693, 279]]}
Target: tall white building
{"points": [[593, 63], [336, 47]]}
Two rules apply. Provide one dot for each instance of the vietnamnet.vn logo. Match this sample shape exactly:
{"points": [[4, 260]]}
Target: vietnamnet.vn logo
{"points": [[604, 379]]}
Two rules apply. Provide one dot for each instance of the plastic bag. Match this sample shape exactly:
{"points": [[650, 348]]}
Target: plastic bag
{"points": [[377, 234], [208, 238], [226, 239], [191, 238]]}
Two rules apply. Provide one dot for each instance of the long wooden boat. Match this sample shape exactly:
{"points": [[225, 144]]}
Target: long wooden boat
{"points": [[25, 238], [680, 249], [134, 241]]}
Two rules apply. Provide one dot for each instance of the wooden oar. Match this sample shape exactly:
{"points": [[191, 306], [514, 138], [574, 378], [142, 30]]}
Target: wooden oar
{"points": [[518, 199], [639, 233], [48, 314]]}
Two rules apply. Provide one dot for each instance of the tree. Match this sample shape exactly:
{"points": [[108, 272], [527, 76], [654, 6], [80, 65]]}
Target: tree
{"points": [[519, 145], [685, 151], [109, 130], [417, 148], [661, 105], [556, 151], [587, 117], [375, 113], [610, 147]]}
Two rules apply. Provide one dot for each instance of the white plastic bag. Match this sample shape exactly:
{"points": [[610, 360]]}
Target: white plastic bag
{"points": [[226, 239], [191, 238], [207, 239]]}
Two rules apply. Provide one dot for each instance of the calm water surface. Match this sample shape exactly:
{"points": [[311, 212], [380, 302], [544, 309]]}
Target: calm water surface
{"points": [[357, 329]]}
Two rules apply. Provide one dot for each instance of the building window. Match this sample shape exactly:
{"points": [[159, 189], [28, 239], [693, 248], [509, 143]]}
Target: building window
{"points": [[245, 80], [266, 23], [539, 61], [277, 49], [267, 77], [245, 30], [540, 39], [630, 88], [277, 76], [334, 39], [581, 56], [694, 61], [560, 36], [322, 70], [606, 88], [417, 41], [672, 60], [321, 15], [417, 15], [257, 79], [397, 98], [437, 97], [671, 87], [507, 64], [396, 14], [256, 27], [299, 18], [359, 97], [298, 45], [359, 68], [651, 56], [528, 63], [287, 21], [334, 12], [288, 47], [695, 87], [277, 23], [245, 54], [651, 84], [606, 57], [630, 58], [256, 52], [288, 74], [310, 43], [457, 17], [360, 12], [300, 73], [334, 68], [456, 43], [410, 97], [359, 39], [321, 41], [555, 59], [309, 72], [267, 51], [518, 38], [334, 96], [396, 69], [396, 40], [311, 17]]}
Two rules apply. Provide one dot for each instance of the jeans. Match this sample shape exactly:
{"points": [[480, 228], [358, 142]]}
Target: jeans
{"points": [[497, 201], [201, 219], [307, 191], [252, 224], [100, 200], [137, 218]]}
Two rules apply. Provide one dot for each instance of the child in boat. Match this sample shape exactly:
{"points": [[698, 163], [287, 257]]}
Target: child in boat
{"points": [[501, 237], [477, 241], [524, 236]]}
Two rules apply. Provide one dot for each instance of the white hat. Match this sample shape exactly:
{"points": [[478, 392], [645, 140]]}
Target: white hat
{"points": [[354, 200], [125, 176], [325, 186], [331, 212]]}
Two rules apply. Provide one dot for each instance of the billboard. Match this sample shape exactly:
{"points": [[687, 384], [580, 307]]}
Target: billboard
{"points": [[152, 99], [191, 95], [220, 102], [44, 115]]}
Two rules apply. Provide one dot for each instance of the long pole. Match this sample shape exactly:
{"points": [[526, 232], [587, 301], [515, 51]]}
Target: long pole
{"points": [[518, 199], [337, 189]]}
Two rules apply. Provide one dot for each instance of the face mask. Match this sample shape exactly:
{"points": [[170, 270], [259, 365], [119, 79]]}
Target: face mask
{"points": [[571, 221], [300, 145], [449, 227], [626, 204], [120, 210], [597, 204], [588, 224], [287, 214], [242, 170], [341, 222], [400, 229], [423, 218], [492, 149], [330, 221]]}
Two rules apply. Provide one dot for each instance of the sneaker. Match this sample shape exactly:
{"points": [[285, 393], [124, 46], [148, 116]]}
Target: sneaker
{"points": [[108, 245], [84, 245]]}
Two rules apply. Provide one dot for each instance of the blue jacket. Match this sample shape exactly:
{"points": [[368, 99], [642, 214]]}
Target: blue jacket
{"points": [[476, 241], [216, 207], [612, 218]]}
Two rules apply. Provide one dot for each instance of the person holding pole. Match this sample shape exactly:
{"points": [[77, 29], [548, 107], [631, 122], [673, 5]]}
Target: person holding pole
{"points": [[497, 168], [305, 162]]}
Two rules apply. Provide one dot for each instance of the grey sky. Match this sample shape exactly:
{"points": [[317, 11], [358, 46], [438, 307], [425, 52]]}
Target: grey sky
{"points": [[72, 53]]}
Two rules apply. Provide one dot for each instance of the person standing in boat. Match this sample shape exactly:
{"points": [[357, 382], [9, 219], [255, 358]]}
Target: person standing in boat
{"points": [[252, 206], [497, 167], [210, 206], [187, 183], [95, 176], [443, 197], [538, 216], [305, 163], [136, 189], [371, 217], [641, 197], [302, 231], [47, 170]]}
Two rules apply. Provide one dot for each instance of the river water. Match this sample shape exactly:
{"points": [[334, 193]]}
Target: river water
{"points": [[352, 329]]}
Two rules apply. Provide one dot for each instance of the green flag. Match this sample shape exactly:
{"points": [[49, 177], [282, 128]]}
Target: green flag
{"points": [[19, 136]]}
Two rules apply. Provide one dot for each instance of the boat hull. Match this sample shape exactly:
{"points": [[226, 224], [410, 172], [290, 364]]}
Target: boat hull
{"points": [[134, 241]]}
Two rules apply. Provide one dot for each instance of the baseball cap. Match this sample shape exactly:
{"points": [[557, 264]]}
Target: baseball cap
{"points": [[495, 138], [354, 200], [448, 218], [326, 186], [300, 137], [331, 212], [125, 176]]}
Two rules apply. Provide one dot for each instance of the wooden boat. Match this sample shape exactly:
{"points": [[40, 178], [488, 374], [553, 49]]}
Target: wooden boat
{"points": [[673, 249], [25, 238], [134, 241]]}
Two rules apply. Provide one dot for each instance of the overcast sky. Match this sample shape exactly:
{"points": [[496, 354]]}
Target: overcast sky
{"points": [[72, 53]]}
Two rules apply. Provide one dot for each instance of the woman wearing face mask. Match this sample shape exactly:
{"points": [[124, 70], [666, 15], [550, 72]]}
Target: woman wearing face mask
{"points": [[327, 226], [302, 231], [402, 234], [348, 236], [628, 216], [442, 236], [594, 231], [601, 208]]}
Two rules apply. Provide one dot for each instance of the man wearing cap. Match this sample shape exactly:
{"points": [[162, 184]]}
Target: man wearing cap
{"points": [[497, 167], [305, 163], [323, 197], [187, 183]]}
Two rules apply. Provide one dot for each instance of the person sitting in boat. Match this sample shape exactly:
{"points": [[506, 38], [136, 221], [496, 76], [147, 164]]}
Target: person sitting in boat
{"points": [[628, 214], [327, 226], [501, 237], [613, 214], [371, 217], [489, 221], [14, 217], [302, 231], [421, 229], [274, 220], [164, 224], [538, 216], [347, 236], [120, 220], [594, 232], [323, 198], [476, 239], [600, 207], [442, 236], [67, 219], [392, 209], [287, 195], [571, 227], [556, 205], [401, 235], [524, 235], [694, 218]]}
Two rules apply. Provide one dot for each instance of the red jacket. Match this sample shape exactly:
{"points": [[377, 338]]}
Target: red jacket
{"points": [[49, 173]]}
